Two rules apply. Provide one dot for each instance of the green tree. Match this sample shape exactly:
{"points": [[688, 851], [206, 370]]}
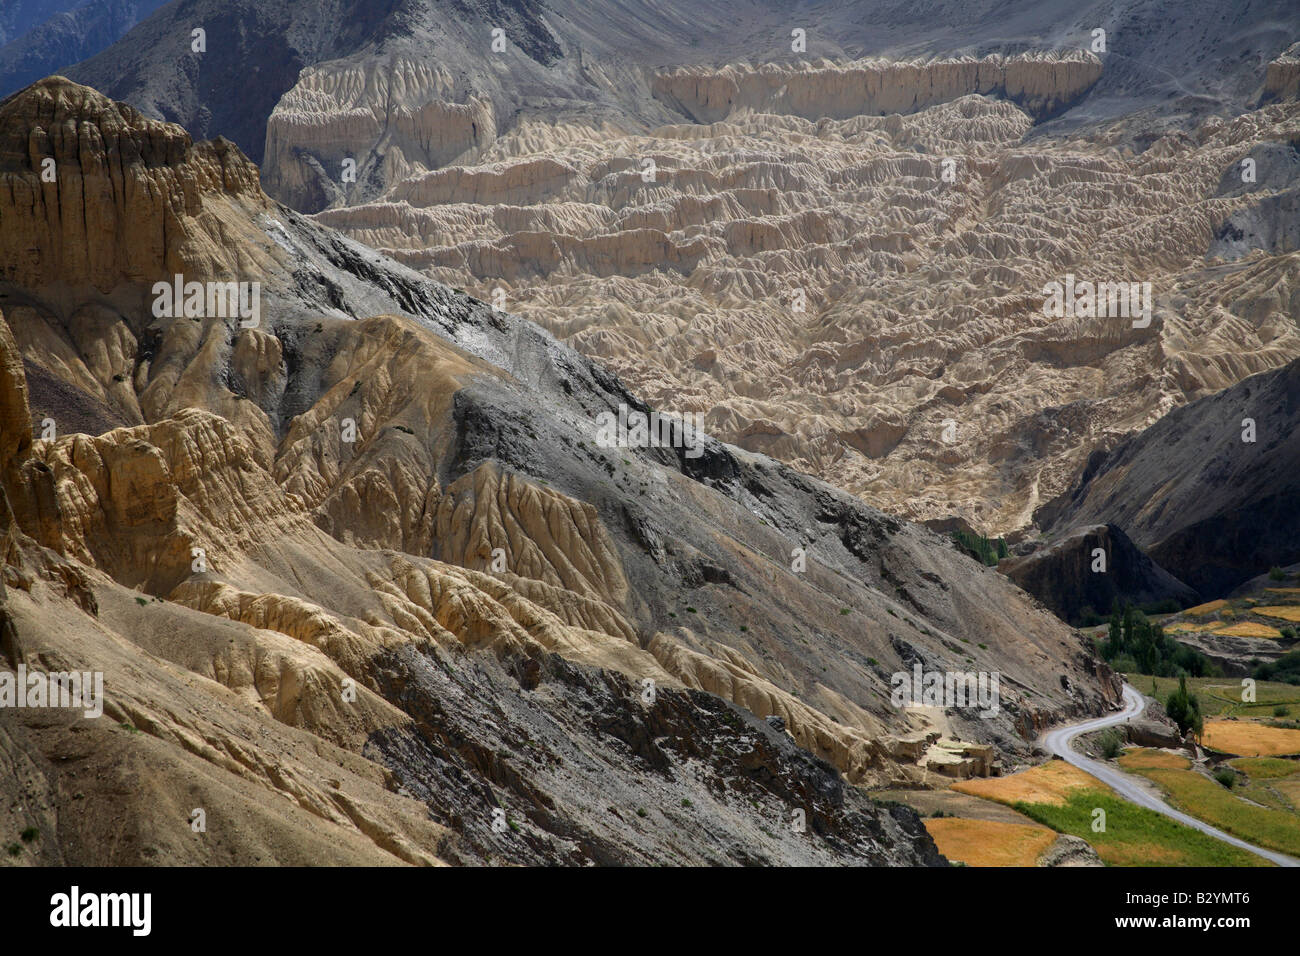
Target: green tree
{"points": [[1184, 709]]}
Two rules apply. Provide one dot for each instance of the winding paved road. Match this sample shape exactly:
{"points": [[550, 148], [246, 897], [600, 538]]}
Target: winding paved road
{"points": [[1058, 742]]}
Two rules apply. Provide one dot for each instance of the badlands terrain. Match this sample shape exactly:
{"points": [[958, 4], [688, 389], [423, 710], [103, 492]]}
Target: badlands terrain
{"points": [[841, 262], [806, 277], [387, 486], [828, 230]]}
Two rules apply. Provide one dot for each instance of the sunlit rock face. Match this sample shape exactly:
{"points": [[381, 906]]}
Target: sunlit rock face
{"points": [[360, 571], [877, 299]]}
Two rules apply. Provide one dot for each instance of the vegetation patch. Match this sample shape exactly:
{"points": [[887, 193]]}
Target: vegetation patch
{"points": [[1266, 768], [1217, 805], [1147, 758], [1250, 739], [1135, 642], [1286, 669], [1049, 783], [983, 549], [1135, 836], [1287, 612], [1249, 629], [1220, 697], [989, 842]]}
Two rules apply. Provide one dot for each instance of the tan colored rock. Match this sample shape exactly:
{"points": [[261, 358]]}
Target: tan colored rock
{"points": [[1282, 80], [403, 109], [233, 561], [544, 535], [922, 300], [15, 420], [1041, 83], [130, 198]]}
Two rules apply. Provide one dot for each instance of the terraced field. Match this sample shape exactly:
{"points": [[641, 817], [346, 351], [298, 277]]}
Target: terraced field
{"points": [[1067, 800], [1258, 807], [1222, 696], [990, 842]]}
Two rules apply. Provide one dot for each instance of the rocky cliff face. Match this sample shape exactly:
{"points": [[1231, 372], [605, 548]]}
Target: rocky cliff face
{"points": [[1209, 491], [1092, 568], [250, 53], [590, 59], [366, 555], [1282, 81], [1271, 221], [102, 196], [1041, 84], [31, 50], [859, 295], [389, 119]]}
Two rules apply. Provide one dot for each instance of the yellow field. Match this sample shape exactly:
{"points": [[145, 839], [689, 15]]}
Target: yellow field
{"points": [[1181, 626], [1283, 590], [1249, 629], [1147, 759], [1250, 740], [1046, 783], [990, 842], [1202, 609], [1287, 612]]}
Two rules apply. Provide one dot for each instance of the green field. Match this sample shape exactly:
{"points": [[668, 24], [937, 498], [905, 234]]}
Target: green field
{"points": [[1221, 696], [1266, 768], [1135, 836], [1276, 827]]}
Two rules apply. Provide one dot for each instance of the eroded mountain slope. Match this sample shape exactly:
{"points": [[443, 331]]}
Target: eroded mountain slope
{"points": [[1211, 491], [231, 544], [863, 297]]}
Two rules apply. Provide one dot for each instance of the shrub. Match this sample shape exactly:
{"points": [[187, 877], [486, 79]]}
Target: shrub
{"points": [[1281, 710], [1111, 744], [1089, 618], [1285, 669], [1226, 777], [1276, 574]]}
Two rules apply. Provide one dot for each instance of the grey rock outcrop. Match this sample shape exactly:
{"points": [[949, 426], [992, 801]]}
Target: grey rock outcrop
{"points": [[1061, 573], [1210, 507]]}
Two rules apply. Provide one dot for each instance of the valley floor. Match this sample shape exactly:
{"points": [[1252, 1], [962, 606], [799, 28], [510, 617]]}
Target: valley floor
{"points": [[1234, 802]]}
